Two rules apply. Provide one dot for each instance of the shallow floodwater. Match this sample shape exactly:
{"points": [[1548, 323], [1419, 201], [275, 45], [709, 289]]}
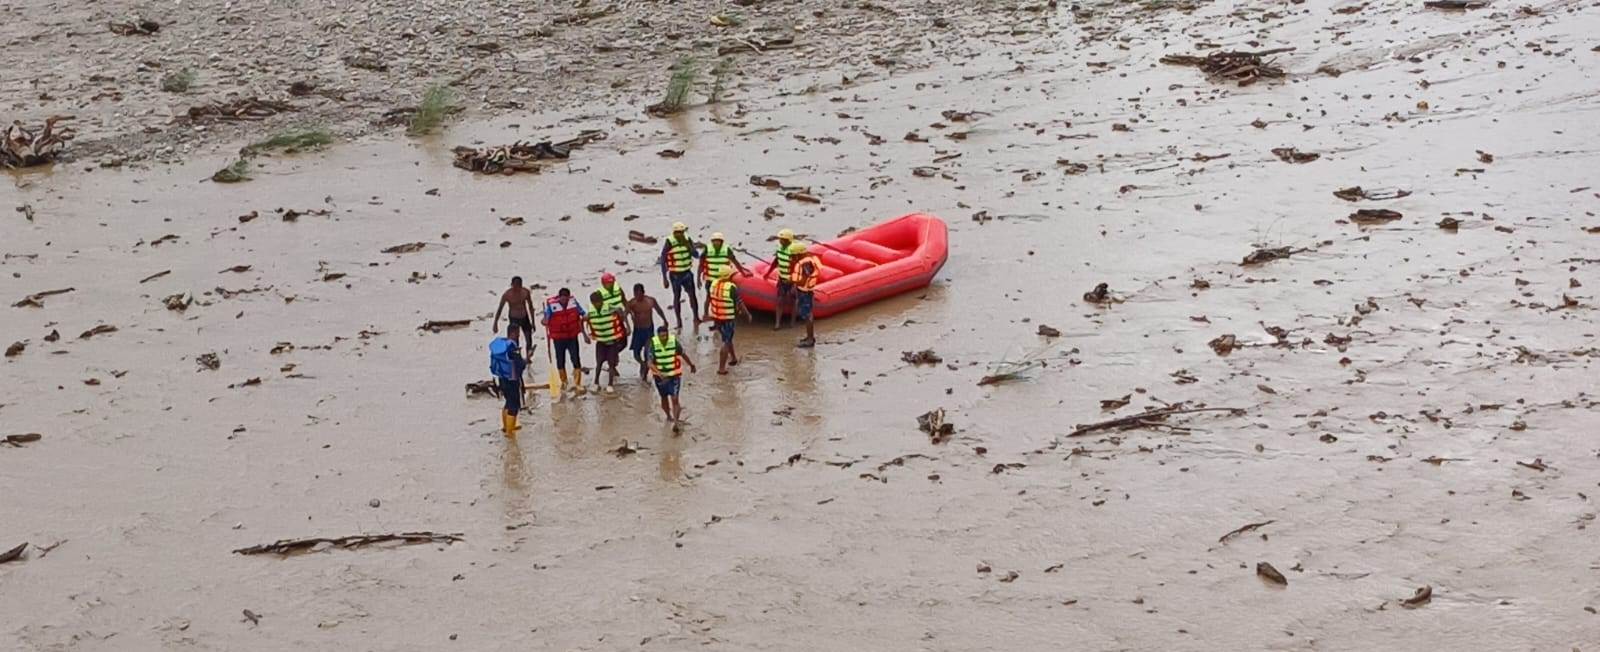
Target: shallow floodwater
{"points": [[1451, 443]]}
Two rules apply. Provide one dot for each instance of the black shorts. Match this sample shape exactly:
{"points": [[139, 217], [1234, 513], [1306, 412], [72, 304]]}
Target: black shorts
{"points": [[525, 324], [607, 353], [565, 349]]}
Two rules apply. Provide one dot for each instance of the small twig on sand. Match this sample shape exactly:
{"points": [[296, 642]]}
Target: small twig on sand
{"points": [[289, 546], [1243, 529], [1144, 419]]}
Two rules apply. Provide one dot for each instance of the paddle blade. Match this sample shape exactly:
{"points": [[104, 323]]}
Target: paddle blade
{"points": [[555, 383]]}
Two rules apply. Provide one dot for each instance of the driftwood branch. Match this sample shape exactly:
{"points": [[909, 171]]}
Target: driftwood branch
{"points": [[290, 546], [14, 553], [1243, 529], [1144, 419]]}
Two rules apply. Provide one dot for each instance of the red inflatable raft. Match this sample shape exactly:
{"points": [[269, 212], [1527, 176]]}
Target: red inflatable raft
{"points": [[900, 255]]}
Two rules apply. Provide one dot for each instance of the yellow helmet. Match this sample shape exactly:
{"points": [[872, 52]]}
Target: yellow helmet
{"points": [[679, 227], [797, 247], [785, 234], [717, 236]]}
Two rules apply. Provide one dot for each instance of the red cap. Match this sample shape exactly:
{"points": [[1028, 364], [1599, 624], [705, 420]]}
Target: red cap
{"points": [[607, 278]]}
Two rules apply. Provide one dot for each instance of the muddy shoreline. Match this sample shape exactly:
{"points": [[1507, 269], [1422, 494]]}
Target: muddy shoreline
{"points": [[1411, 399]]}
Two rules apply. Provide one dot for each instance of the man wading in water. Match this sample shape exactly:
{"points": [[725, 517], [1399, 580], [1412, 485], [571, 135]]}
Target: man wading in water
{"points": [[640, 307]]}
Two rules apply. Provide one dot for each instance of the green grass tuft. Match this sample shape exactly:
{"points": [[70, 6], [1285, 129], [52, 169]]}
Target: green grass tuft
{"points": [[436, 104], [719, 78], [237, 171], [292, 140], [679, 85], [179, 82]]}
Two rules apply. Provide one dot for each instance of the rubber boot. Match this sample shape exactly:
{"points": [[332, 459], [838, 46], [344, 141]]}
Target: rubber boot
{"points": [[511, 425], [505, 422]]}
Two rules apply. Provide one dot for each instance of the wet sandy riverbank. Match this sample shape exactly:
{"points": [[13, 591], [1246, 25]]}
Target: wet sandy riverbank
{"points": [[1449, 443]]}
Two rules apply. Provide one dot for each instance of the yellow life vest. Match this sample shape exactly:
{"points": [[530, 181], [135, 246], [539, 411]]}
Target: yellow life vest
{"points": [[612, 298], [680, 255], [782, 260], [665, 355], [722, 305], [606, 322], [801, 280], [716, 259]]}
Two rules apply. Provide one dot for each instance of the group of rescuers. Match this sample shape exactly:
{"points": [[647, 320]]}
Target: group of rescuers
{"points": [[654, 347]]}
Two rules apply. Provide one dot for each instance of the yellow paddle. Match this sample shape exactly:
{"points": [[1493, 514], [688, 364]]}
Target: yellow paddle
{"points": [[555, 376]]}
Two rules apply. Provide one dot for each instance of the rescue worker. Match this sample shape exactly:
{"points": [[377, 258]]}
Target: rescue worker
{"points": [[506, 364], [610, 333], [718, 256], [666, 368], [612, 292], [780, 266], [723, 307], [563, 324], [806, 273], [677, 265]]}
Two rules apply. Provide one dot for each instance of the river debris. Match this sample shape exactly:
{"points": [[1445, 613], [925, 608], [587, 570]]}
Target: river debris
{"points": [[1224, 344], [1268, 254], [36, 300], [1046, 331], [625, 449], [13, 554], [135, 27], [23, 148], [249, 108], [1422, 596], [208, 361], [1243, 529], [933, 423], [483, 388], [436, 325], [521, 156], [1270, 574], [1455, 5], [1147, 419], [640, 237], [1246, 68], [102, 329], [758, 46], [178, 302], [317, 544], [407, 248], [1292, 155], [1449, 224], [1357, 193], [16, 441], [1101, 294], [16, 349], [1374, 216], [925, 356]]}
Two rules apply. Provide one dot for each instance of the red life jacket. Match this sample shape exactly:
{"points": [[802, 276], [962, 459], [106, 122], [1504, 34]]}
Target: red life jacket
{"points": [[564, 322]]}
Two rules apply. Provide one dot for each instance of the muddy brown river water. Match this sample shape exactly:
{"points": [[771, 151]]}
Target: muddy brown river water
{"points": [[1451, 442]]}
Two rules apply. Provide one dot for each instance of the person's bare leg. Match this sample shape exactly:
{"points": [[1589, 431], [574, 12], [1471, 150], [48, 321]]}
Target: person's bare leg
{"points": [[677, 409]]}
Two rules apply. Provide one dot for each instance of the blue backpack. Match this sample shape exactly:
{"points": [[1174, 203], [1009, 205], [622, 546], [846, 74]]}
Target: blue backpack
{"points": [[501, 363]]}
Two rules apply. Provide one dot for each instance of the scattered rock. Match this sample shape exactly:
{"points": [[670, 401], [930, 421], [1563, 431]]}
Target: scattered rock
{"points": [[1270, 574], [1224, 344], [1422, 596], [1047, 331], [925, 356], [1374, 216], [209, 361], [16, 349]]}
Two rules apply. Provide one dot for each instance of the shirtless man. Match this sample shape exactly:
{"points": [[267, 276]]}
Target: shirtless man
{"points": [[640, 307], [521, 302]]}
